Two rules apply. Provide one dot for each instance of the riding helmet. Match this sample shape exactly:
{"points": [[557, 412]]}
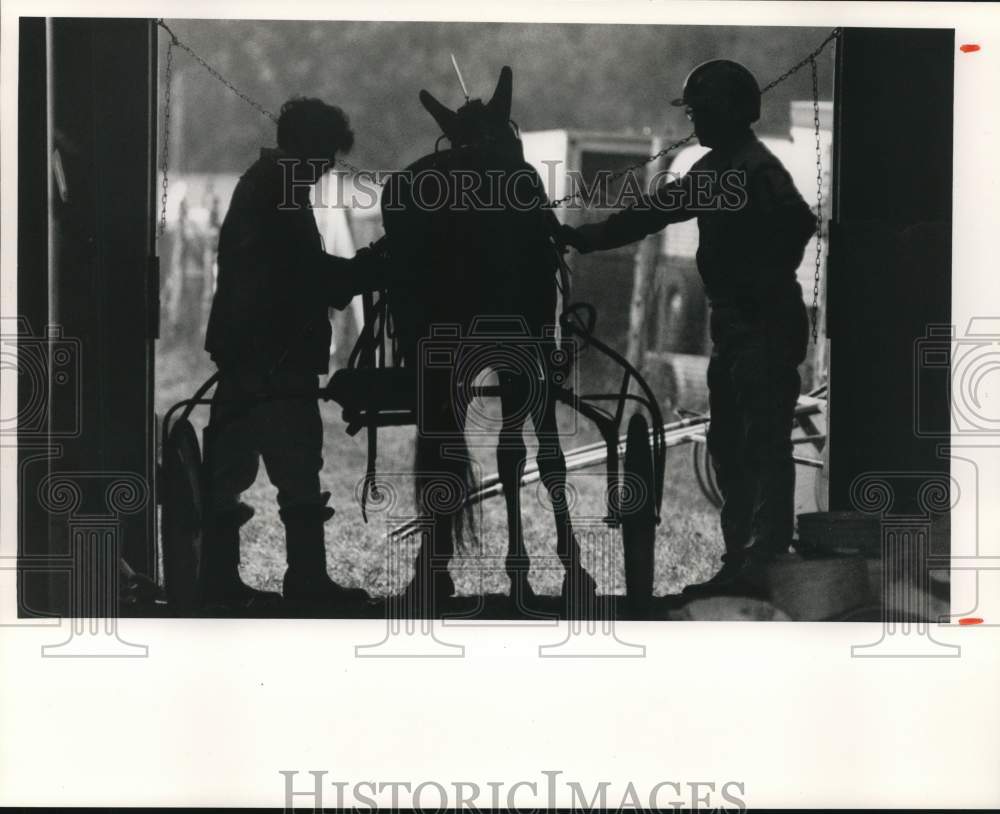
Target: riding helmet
{"points": [[722, 84]]}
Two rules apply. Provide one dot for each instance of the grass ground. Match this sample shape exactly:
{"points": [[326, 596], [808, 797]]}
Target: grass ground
{"points": [[688, 542]]}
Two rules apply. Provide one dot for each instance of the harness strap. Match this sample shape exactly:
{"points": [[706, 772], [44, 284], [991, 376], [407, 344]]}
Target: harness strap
{"points": [[372, 354], [369, 481]]}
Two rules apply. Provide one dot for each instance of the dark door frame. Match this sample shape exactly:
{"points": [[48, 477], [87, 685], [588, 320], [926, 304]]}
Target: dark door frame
{"points": [[87, 293]]}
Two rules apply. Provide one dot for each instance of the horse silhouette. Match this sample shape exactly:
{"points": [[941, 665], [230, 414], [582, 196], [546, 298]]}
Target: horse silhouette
{"points": [[475, 288]]}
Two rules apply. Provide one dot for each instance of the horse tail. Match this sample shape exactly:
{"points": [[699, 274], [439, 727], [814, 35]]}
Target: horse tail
{"points": [[444, 481]]}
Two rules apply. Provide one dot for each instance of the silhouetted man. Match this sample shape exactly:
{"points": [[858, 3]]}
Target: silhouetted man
{"points": [[269, 329], [753, 228]]}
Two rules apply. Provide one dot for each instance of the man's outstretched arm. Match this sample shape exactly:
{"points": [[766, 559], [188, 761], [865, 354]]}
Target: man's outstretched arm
{"points": [[669, 203], [341, 278], [336, 280]]}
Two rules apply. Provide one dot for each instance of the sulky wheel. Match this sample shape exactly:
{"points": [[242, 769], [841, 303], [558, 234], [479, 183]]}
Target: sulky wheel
{"points": [[638, 513], [704, 472], [181, 519]]}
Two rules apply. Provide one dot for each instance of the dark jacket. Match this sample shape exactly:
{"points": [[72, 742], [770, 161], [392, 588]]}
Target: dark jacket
{"points": [[275, 282], [753, 227]]}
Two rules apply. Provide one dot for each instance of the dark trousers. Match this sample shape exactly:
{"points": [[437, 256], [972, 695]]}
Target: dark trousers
{"points": [[287, 434], [753, 385]]}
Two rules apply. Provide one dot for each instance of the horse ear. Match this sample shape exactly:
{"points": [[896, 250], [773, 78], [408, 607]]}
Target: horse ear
{"points": [[500, 102], [442, 115]]}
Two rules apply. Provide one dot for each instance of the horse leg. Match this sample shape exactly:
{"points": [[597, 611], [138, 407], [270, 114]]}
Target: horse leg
{"points": [[511, 456], [552, 469], [435, 476], [431, 580]]}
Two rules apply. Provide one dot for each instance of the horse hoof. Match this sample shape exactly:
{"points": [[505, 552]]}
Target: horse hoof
{"points": [[579, 586], [521, 591]]}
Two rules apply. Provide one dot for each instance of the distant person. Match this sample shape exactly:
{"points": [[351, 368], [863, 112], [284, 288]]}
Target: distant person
{"points": [[269, 328], [173, 285], [753, 228], [198, 240]]}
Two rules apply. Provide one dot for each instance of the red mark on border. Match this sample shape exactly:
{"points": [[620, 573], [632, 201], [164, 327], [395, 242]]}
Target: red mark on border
{"points": [[970, 620], [968, 49]]}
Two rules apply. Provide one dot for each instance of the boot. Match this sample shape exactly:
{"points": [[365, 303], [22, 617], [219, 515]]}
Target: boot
{"points": [[734, 578], [220, 577], [306, 579]]}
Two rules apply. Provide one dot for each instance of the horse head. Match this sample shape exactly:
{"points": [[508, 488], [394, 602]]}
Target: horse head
{"points": [[462, 251], [476, 123]]}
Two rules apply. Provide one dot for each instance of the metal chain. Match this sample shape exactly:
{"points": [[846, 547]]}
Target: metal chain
{"points": [[800, 65], [819, 203], [373, 176], [552, 204], [173, 38], [165, 154], [259, 108], [623, 172], [811, 58]]}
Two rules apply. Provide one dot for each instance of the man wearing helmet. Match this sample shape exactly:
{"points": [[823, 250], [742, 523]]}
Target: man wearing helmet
{"points": [[748, 252]]}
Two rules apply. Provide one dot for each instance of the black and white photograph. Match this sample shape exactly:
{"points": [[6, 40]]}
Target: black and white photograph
{"points": [[489, 339], [539, 329]]}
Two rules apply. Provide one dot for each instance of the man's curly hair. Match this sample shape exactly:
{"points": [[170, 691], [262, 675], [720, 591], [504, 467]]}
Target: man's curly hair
{"points": [[308, 121]]}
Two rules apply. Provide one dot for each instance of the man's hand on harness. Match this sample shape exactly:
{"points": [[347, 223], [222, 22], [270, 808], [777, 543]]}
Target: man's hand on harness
{"points": [[371, 268], [585, 239]]}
